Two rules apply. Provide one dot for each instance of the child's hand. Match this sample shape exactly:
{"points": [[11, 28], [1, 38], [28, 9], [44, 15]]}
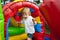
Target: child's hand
{"points": [[34, 21]]}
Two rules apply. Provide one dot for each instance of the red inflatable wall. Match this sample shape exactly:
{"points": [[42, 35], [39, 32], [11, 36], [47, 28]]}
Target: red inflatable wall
{"points": [[11, 9], [51, 11]]}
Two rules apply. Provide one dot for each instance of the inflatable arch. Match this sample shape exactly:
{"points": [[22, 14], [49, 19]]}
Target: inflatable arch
{"points": [[11, 9]]}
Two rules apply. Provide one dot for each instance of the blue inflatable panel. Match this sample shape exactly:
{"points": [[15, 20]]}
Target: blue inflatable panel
{"points": [[38, 27], [46, 38], [7, 29], [31, 10]]}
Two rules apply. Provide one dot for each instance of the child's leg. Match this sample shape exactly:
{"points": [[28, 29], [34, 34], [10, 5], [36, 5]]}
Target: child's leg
{"points": [[29, 36]]}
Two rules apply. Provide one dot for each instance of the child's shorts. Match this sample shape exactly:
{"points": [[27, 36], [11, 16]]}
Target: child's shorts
{"points": [[30, 35]]}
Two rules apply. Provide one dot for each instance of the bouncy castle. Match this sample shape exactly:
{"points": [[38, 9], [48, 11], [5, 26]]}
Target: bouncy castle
{"points": [[46, 13]]}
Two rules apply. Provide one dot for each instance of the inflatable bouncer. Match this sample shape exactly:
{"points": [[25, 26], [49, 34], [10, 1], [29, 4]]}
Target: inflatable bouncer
{"points": [[50, 10], [17, 31], [1, 23]]}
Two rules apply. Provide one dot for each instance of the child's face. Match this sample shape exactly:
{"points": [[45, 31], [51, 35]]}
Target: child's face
{"points": [[26, 14]]}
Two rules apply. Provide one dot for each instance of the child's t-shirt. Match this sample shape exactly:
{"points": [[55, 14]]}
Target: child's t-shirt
{"points": [[29, 25]]}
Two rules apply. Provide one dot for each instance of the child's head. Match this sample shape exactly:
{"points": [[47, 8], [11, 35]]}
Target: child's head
{"points": [[26, 12]]}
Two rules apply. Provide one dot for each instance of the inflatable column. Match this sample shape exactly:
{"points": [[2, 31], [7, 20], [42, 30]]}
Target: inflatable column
{"points": [[1, 23]]}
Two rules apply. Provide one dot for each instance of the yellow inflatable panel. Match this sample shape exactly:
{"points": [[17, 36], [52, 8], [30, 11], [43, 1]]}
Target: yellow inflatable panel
{"points": [[0, 38], [21, 25], [18, 0], [13, 22], [20, 9], [18, 37], [38, 19]]}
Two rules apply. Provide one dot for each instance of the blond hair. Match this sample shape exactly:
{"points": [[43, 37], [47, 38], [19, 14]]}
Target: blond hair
{"points": [[26, 9]]}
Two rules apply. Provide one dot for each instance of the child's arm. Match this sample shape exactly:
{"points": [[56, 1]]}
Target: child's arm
{"points": [[34, 21], [21, 24]]}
